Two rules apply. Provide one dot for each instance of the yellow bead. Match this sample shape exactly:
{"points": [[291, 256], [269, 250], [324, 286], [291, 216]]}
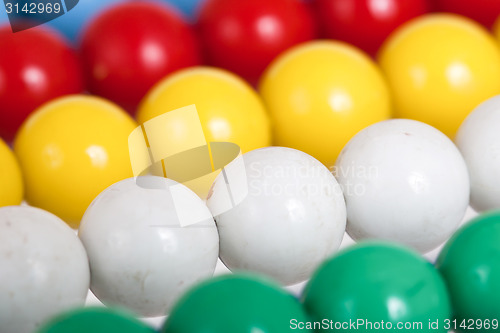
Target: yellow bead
{"points": [[11, 181], [320, 94], [70, 150], [439, 68], [229, 109]]}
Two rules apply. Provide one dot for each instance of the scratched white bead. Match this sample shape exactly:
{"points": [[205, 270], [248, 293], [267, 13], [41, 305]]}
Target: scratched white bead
{"points": [[140, 256], [479, 141], [403, 181], [292, 218], [44, 269]]}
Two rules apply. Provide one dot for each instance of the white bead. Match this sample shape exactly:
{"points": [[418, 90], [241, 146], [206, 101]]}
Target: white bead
{"points": [[403, 181], [141, 257], [43, 268], [479, 141], [292, 218]]}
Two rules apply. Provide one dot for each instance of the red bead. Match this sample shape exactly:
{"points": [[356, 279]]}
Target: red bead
{"points": [[36, 66], [244, 36], [130, 47], [483, 11], [366, 23]]}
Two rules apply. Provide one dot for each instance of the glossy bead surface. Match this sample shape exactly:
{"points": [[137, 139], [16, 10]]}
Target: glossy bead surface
{"points": [[44, 268], [483, 11], [36, 66], [470, 265], [235, 304], [292, 218], [244, 36], [95, 320], [378, 282], [130, 47], [142, 257], [319, 94], [479, 142], [229, 109], [366, 23], [70, 150], [439, 68], [403, 181], [11, 180]]}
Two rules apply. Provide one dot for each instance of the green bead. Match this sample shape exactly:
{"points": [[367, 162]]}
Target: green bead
{"points": [[378, 282], [235, 304], [95, 320], [470, 265]]}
